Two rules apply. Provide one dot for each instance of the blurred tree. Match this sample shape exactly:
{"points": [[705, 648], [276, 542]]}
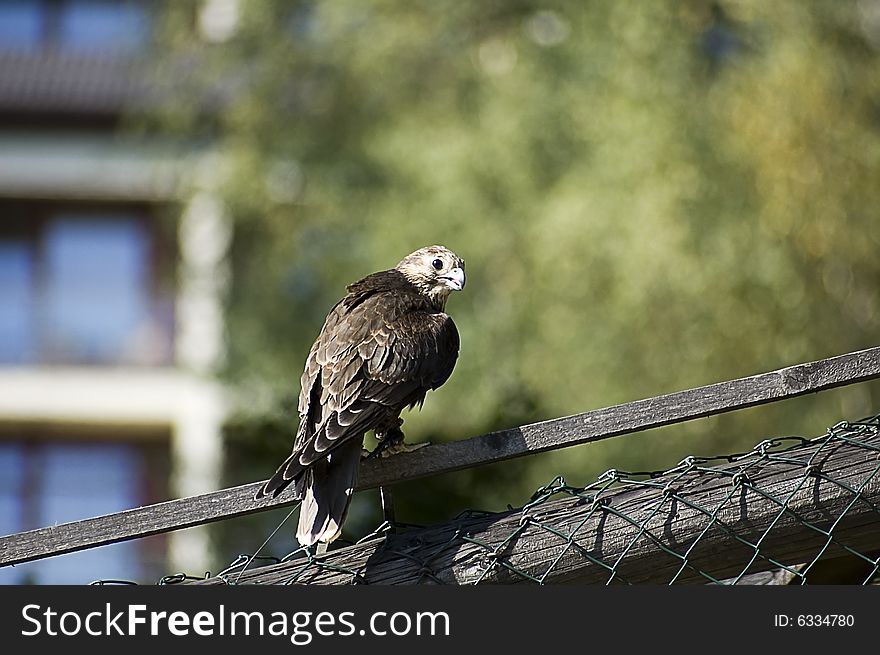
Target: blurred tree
{"points": [[649, 196]]}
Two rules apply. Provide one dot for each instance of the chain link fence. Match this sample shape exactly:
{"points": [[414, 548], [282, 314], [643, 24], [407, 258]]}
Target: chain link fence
{"points": [[789, 511]]}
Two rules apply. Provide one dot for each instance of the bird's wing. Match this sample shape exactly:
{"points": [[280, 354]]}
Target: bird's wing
{"points": [[369, 362]]}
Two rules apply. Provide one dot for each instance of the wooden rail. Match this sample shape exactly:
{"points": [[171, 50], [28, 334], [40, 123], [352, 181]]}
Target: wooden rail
{"points": [[582, 428]]}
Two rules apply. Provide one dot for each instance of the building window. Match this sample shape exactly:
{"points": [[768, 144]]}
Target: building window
{"points": [[95, 290], [82, 287], [49, 482], [16, 299], [75, 25], [21, 24], [103, 24]]}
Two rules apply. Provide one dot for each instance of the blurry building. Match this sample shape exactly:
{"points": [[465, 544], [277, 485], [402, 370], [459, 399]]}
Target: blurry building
{"points": [[110, 322]]}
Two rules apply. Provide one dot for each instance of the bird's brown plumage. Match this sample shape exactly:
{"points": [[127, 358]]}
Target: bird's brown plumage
{"points": [[382, 348]]}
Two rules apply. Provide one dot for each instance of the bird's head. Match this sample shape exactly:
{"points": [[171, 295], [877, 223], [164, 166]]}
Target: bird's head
{"points": [[435, 271]]}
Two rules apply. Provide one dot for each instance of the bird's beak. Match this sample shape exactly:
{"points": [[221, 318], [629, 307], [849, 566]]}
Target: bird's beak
{"points": [[455, 279]]}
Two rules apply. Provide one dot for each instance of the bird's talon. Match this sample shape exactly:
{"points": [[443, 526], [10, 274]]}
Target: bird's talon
{"points": [[401, 447]]}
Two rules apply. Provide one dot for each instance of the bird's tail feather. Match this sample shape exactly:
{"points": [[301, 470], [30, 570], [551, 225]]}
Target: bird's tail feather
{"points": [[289, 471], [327, 487]]}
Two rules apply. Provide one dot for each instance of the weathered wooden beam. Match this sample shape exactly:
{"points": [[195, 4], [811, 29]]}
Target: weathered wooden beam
{"points": [[650, 533], [455, 455]]}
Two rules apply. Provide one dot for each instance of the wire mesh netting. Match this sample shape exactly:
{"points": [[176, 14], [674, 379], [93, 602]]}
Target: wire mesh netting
{"points": [[789, 511]]}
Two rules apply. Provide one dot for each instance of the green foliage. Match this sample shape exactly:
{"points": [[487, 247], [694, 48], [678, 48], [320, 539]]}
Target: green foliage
{"points": [[648, 195]]}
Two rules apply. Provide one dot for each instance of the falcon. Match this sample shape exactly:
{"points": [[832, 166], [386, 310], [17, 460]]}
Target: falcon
{"points": [[382, 348]]}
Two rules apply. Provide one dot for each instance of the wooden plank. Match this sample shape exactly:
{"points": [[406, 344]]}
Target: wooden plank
{"points": [[632, 537], [455, 455]]}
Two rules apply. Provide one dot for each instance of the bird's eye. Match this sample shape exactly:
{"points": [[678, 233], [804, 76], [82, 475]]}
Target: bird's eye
{"points": [[437, 264]]}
